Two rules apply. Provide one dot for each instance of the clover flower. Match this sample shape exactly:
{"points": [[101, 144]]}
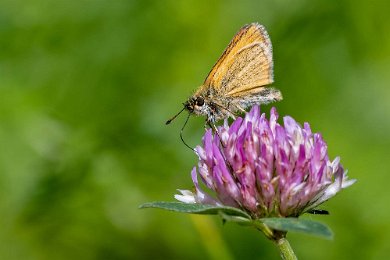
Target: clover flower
{"points": [[264, 168]]}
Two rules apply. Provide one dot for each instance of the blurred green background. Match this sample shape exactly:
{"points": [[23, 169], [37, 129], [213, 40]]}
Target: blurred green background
{"points": [[85, 90]]}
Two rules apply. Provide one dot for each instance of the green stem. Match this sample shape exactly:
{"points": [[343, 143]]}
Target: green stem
{"points": [[279, 238], [286, 251], [265, 229]]}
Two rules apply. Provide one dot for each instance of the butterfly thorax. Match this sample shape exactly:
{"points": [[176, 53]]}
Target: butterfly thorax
{"points": [[209, 105]]}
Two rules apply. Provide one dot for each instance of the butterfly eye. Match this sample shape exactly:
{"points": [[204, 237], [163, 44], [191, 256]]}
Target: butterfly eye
{"points": [[199, 101]]}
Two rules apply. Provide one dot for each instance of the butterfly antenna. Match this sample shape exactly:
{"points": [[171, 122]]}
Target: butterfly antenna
{"points": [[181, 132], [173, 118]]}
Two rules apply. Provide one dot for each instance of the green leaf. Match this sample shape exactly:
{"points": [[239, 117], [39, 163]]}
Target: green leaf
{"points": [[299, 225], [195, 208]]}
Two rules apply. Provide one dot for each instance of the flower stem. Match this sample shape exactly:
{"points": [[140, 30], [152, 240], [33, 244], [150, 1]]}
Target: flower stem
{"points": [[286, 251]]}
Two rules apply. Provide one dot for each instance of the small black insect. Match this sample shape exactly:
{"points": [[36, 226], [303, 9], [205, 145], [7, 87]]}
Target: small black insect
{"points": [[318, 212]]}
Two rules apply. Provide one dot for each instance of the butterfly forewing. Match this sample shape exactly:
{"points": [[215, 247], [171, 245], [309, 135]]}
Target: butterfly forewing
{"points": [[246, 63], [251, 70]]}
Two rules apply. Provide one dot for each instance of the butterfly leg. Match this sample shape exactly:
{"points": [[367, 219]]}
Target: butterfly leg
{"points": [[231, 114], [240, 108], [211, 124], [227, 110]]}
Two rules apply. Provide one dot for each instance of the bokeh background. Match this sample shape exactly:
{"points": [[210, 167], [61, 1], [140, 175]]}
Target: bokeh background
{"points": [[85, 89]]}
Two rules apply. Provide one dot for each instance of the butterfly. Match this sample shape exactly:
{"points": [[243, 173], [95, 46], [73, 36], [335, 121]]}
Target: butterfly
{"points": [[238, 80]]}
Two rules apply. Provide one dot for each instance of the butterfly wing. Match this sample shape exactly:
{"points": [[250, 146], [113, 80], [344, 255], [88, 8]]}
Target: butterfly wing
{"points": [[245, 66]]}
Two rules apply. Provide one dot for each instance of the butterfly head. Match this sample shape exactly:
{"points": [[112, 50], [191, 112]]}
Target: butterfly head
{"points": [[196, 105], [203, 106]]}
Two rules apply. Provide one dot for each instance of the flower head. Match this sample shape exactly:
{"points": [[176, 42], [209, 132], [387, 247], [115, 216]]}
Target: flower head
{"points": [[264, 168]]}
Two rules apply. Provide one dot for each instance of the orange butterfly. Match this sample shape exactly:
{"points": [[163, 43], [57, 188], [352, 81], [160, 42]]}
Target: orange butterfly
{"points": [[238, 80]]}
